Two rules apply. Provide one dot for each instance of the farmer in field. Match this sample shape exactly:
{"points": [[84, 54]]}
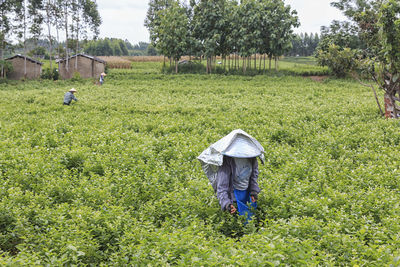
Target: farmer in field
{"points": [[102, 76], [69, 96], [232, 168]]}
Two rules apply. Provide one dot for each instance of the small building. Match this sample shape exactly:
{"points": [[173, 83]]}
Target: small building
{"points": [[88, 66], [33, 68]]}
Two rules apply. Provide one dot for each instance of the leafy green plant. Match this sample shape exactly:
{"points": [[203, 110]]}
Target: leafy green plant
{"points": [[76, 76], [340, 61], [73, 161], [50, 74], [115, 180], [6, 66]]}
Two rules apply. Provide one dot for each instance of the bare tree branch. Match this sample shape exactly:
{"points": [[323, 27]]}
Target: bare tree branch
{"points": [[355, 76]]}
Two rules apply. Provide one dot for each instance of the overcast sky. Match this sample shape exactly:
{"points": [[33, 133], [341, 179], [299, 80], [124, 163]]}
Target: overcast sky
{"points": [[125, 18]]}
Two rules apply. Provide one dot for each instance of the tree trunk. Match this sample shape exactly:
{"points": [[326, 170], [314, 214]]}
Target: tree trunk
{"points": [[224, 63], [270, 60], [355, 76], [390, 107], [58, 44], [77, 41], [259, 62], [255, 61], [3, 44], [66, 37], [264, 62], [49, 31], [215, 64], [2, 58], [176, 66], [24, 39]]}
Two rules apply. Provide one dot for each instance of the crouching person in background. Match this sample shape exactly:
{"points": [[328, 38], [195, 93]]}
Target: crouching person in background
{"points": [[69, 96]]}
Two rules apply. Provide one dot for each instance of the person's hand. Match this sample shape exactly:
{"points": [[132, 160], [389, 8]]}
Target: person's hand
{"points": [[253, 199], [232, 209]]}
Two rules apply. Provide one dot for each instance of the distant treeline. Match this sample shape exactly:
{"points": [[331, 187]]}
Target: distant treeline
{"points": [[304, 45], [107, 47], [100, 47], [118, 47]]}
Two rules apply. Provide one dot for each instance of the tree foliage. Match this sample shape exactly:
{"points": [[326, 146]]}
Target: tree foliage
{"points": [[213, 28], [377, 26], [338, 47], [6, 26], [304, 44], [107, 47], [173, 32], [337, 59]]}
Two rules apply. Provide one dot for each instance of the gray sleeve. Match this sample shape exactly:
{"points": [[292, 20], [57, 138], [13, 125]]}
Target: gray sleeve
{"points": [[253, 184], [223, 178], [74, 98]]}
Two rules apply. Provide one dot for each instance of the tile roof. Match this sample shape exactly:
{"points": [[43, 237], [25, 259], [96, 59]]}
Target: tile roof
{"points": [[83, 55], [27, 58]]}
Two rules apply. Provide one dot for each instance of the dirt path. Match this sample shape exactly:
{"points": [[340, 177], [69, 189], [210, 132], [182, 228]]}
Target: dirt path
{"points": [[318, 78]]}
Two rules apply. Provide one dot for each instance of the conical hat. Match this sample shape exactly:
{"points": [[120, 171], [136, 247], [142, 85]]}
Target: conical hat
{"points": [[242, 147]]}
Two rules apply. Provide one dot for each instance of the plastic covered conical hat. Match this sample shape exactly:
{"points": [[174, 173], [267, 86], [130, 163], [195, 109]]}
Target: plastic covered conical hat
{"points": [[242, 147], [238, 144]]}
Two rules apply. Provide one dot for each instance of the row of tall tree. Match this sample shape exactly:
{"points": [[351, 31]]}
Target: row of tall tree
{"points": [[118, 47], [226, 28], [304, 45], [107, 47], [33, 19]]}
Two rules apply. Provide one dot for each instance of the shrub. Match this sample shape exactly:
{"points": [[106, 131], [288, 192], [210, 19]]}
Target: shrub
{"points": [[76, 76], [73, 161], [340, 61], [7, 66], [49, 74]]}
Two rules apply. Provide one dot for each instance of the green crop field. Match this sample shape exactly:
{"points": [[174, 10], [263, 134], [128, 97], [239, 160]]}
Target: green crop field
{"points": [[113, 179]]}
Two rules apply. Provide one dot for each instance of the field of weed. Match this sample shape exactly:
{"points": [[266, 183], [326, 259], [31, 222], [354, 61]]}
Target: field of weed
{"points": [[301, 60], [114, 62], [113, 179]]}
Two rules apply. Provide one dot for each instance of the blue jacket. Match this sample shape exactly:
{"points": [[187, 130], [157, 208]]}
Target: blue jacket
{"points": [[68, 97], [225, 181]]}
